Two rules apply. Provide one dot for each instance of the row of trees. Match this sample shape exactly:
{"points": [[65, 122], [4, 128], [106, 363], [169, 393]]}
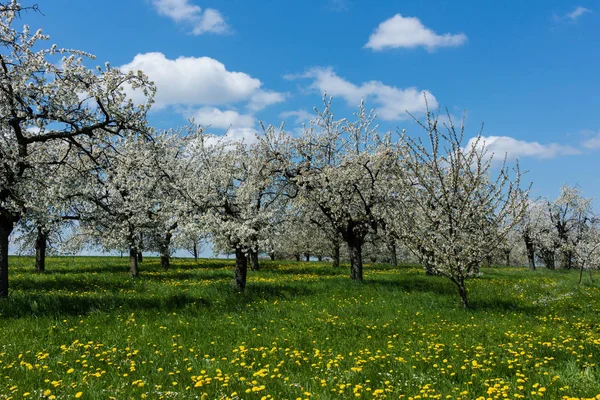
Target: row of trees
{"points": [[82, 167]]}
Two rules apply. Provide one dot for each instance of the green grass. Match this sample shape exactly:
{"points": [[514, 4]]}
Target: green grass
{"points": [[301, 330]]}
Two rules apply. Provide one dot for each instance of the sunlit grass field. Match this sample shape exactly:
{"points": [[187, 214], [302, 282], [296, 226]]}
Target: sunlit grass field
{"points": [[301, 330]]}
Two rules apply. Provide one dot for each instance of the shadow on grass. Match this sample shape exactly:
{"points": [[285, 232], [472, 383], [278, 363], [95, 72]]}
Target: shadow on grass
{"points": [[59, 304], [416, 283], [222, 300]]}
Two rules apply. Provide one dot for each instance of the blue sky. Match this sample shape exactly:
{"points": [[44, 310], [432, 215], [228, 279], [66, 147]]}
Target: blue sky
{"points": [[527, 69]]}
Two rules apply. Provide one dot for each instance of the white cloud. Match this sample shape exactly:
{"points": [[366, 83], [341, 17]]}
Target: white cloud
{"points": [[337, 5], [223, 119], [242, 135], [199, 81], [576, 13], [515, 148], [593, 142], [183, 11], [409, 32], [391, 102], [299, 116], [264, 98]]}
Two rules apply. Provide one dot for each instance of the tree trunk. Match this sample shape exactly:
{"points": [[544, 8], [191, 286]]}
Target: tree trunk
{"points": [[165, 256], [241, 269], [548, 258], [6, 227], [307, 257], [140, 256], [272, 255], [195, 251], [507, 257], [356, 265], [297, 257], [462, 291], [567, 259], [133, 262], [40, 250], [254, 258], [336, 255], [393, 254], [320, 258], [530, 252]]}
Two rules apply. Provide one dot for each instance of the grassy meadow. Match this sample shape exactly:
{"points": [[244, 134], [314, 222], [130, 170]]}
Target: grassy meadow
{"points": [[86, 330]]}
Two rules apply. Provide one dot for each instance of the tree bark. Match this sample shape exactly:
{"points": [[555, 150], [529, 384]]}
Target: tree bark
{"points": [[567, 259], [307, 257], [462, 291], [133, 262], [336, 255], [548, 258], [272, 255], [530, 248], [297, 257], [241, 270], [140, 256], [507, 259], [195, 251], [393, 254], [356, 265], [6, 226], [320, 258], [254, 258], [41, 243], [165, 256]]}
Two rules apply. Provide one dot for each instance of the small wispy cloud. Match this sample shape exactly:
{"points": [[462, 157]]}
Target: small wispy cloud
{"points": [[299, 116], [572, 16], [185, 12], [337, 5], [592, 140], [499, 146]]}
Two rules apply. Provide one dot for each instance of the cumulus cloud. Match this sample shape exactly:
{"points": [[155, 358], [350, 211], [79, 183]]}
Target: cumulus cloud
{"points": [[200, 81], [217, 118], [515, 148], [409, 32], [391, 103], [299, 116], [592, 142], [184, 12], [264, 98]]}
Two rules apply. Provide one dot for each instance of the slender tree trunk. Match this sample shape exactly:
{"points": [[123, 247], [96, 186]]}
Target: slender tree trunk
{"points": [[165, 257], [133, 262], [6, 227], [297, 257], [272, 255], [568, 259], [254, 258], [580, 274], [356, 265], [320, 258], [462, 291], [195, 251], [40, 250], [548, 257], [393, 254], [241, 269], [336, 255], [507, 259], [140, 256], [307, 257], [530, 249]]}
